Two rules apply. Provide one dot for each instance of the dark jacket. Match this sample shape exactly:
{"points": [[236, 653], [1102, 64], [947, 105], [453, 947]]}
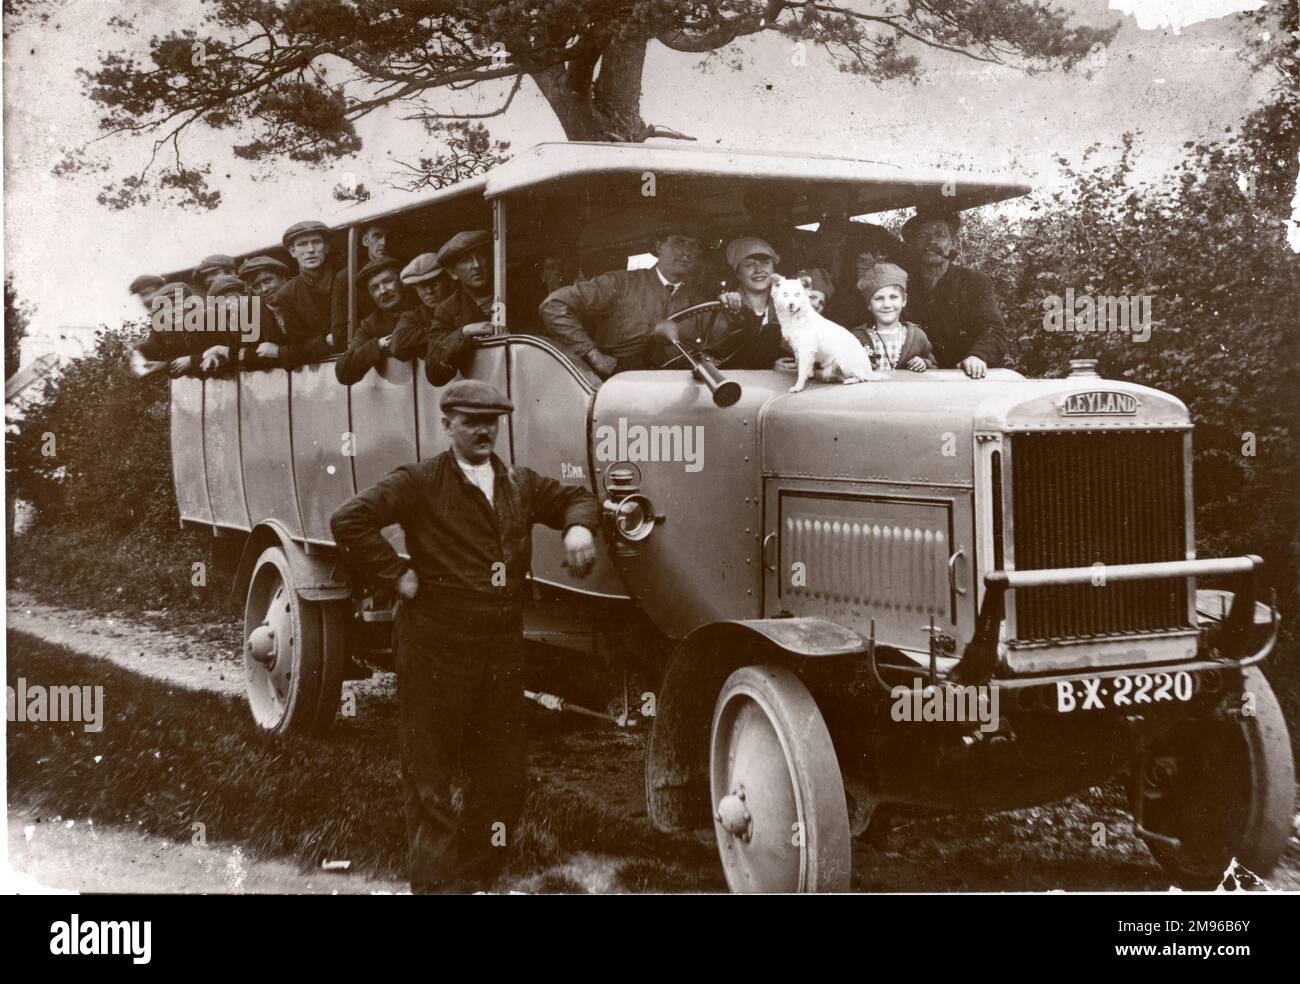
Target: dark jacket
{"points": [[364, 353], [411, 336], [446, 348], [310, 309], [615, 312], [453, 536], [915, 343], [960, 315]]}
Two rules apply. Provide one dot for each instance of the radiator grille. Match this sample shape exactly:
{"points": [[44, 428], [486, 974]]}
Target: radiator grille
{"points": [[1109, 497]]}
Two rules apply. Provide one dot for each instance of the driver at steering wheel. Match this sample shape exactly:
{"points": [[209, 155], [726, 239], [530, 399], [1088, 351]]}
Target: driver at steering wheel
{"points": [[745, 332]]}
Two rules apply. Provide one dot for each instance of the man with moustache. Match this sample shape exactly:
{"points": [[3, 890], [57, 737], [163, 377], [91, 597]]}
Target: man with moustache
{"points": [[956, 306], [467, 520], [608, 321], [313, 305], [373, 341], [467, 314]]}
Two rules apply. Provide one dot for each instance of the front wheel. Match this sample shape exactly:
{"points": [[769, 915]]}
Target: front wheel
{"points": [[294, 651], [1225, 788], [780, 815]]}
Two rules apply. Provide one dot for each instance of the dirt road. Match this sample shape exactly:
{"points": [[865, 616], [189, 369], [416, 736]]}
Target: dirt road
{"points": [[1043, 848]]}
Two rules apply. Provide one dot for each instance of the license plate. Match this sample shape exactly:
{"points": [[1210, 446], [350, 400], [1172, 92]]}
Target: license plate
{"points": [[1123, 691]]}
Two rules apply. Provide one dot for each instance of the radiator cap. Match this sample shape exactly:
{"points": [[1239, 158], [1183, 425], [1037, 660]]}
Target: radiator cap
{"points": [[1083, 367]]}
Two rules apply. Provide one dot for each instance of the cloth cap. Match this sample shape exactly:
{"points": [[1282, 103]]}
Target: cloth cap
{"points": [[171, 289], [460, 244], [217, 261], [226, 284], [931, 214], [422, 269], [146, 281], [374, 267], [882, 275], [474, 396], [747, 246], [302, 228], [256, 263]]}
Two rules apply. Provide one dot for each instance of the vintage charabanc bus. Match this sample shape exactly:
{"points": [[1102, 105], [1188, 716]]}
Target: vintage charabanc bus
{"points": [[1025, 545]]}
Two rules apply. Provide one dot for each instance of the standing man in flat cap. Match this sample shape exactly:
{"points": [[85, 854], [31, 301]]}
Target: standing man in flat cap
{"points": [[210, 268], [468, 522], [372, 343], [608, 321], [432, 286], [956, 305], [467, 314], [313, 305]]}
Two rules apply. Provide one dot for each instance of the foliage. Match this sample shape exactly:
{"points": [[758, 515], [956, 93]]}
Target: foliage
{"points": [[16, 319], [297, 76]]}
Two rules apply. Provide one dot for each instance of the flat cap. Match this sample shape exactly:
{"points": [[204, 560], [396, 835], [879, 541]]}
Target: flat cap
{"points": [[460, 244], [255, 263], [146, 281], [170, 289], [302, 228], [931, 213], [746, 246], [882, 275], [678, 222], [217, 261], [226, 284], [422, 269], [376, 266], [474, 396]]}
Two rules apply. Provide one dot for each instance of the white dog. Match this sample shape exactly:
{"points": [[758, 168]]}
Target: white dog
{"points": [[814, 340]]}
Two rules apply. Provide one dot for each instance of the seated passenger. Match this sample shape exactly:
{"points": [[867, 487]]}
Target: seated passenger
{"points": [[210, 268], [372, 343], [219, 350], [144, 287], [746, 333], [375, 240], [432, 285], [467, 313], [264, 275], [608, 321], [893, 342], [313, 305]]}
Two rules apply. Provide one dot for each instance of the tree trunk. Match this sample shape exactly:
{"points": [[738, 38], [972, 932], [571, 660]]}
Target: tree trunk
{"points": [[609, 109]]}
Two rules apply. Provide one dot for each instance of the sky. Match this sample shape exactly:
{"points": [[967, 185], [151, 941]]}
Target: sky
{"points": [[1174, 72]]}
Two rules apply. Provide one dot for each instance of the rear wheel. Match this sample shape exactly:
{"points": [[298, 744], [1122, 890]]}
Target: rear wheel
{"points": [[294, 651], [1224, 788], [780, 815]]}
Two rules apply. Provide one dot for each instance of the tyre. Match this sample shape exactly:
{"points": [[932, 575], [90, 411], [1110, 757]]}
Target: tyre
{"points": [[780, 815], [1225, 788], [294, 651]]}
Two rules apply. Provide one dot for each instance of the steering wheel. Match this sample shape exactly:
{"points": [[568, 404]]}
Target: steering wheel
{"points": [[698, 345]]}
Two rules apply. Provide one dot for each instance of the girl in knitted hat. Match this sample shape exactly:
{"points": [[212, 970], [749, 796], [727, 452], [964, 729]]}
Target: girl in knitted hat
{"points": [[892, 342]]}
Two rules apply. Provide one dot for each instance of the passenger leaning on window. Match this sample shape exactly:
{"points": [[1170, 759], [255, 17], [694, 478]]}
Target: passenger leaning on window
{"points": [[264, 275], [217, 350], [467, 313], [209, 269], [892, 342], [313, 305], [432, 286], [372, 343]]}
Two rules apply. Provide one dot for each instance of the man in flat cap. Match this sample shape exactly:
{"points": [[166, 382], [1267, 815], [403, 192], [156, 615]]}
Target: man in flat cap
{"points": [[467, 520], [313, 305], [211, 267], [168, 345], [957, 306], [608, 321], [432, 286], [263, 276], [218, 351], [467, 314], [144, 287], [372, 343]]}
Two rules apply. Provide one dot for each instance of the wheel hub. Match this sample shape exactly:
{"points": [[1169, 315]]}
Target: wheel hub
{"points": [[261, 645], [734, 816]]}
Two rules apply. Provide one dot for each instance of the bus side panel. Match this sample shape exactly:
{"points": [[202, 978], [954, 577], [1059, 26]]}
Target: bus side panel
{"points": [[221, 453], [552, 407], [318, 411], [489, 365], [268, 456], [383, 421], [187, 450]]}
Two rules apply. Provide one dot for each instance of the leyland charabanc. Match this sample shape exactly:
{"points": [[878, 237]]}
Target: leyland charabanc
{"points": [[1029, 541]]}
